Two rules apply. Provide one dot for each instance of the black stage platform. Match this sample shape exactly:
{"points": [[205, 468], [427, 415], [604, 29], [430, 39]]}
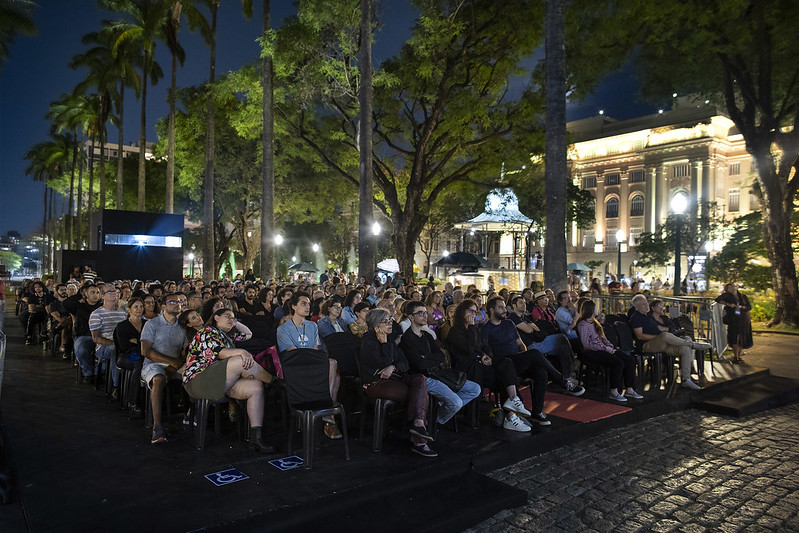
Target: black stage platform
{"points": [[80, 464]]}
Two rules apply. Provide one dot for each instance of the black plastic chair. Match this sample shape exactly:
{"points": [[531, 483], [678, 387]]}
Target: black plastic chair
{"points": [[306, 372], [343, 347], [382, 407], [627, 345]]}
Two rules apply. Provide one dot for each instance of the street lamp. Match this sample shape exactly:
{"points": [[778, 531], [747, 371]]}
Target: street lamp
{"points": [[191, 265], [376, 229], [678, 204], [315, 247], [619, 239], [278, 239]]}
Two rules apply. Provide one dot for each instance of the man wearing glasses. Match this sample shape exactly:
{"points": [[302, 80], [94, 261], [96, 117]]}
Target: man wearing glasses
{"points": [[162, 341], [102, 323]]}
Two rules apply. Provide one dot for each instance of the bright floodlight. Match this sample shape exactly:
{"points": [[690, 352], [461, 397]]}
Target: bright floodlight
{"points": [[315, 247], [278, 239], [293, 258], [445, 253], [191, 257], [376, 228], [620, 236], [679, 202], [708, 246]]}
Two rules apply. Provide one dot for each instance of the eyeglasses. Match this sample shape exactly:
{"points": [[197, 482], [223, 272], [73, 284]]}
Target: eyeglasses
{"points": [[386, 322], [110, 292], [336, 306], [420, 313], [178, 302], [228, 316]]}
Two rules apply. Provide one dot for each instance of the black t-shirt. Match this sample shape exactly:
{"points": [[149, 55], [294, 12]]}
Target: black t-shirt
{"points": [[43, 300], [501, 337], [252, 308], [527, 339], [82, 311], [648, 325], [421, 350]]}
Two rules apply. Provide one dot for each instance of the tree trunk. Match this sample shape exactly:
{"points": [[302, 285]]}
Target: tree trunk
{"points": [[52, 232], [555, 154], [63, 223], [89, 204], [45, 233], [209, 257], [80, 206], [120, 153], [169, 203], [366, 237], [407, 228], [71, 241], [102, 172], [143, 133], [268, 168]]}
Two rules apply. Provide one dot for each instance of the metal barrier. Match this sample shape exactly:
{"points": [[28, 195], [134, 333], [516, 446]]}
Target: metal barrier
{"points": [[2, 359]]}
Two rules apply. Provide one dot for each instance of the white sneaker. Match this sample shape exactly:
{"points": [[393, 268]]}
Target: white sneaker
{"points": [[515, 405], [617, 397], [514, 423], [689, 384]]}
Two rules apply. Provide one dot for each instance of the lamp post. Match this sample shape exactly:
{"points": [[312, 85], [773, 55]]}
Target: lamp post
{"points": [[376, 229], [619, 239], [678, 204], [191, 265]]}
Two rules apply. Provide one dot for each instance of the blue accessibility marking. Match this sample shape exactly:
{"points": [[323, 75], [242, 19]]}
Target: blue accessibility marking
{"points": [[226, 477], [287, 463]]}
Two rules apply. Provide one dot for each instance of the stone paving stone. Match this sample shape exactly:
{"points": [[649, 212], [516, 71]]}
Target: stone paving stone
{"points": [[688, 472]]}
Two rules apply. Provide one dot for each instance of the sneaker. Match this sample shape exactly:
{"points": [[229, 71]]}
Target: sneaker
{"points": [[158, 435], [573, 387], [617, 397], [540, 419], [515, 405], [514, 423], [700, 346], [420, 431], [28, 342], [424, 450], [690, 384], [188, 420], [634, 395], [115, 393], [332, 432]]}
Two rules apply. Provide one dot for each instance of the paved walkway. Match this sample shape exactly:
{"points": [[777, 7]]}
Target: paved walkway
{"points": [[688, 471]]}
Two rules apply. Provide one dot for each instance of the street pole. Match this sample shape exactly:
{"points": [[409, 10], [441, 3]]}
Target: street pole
{"points": [[677, 265]]}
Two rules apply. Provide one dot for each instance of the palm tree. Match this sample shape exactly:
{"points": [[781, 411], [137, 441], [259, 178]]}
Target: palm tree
{"points": [[196, 20], [15, 17], [268, 148], [147, 18]]}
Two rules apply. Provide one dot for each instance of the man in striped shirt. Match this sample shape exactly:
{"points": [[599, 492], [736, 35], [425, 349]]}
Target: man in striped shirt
{"points": [[102, 323]]}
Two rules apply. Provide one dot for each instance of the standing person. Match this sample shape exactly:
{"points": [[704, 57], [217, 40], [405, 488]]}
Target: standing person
{"points": [[424, 357], [80, 311], [739, 323], [102, 323], [162, 341], [297, 332]]}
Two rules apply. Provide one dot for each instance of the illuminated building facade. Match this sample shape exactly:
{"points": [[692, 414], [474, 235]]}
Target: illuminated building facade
{"points": [[634, 167]]}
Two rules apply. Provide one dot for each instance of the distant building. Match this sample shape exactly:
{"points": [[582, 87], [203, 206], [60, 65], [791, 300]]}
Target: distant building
{"points": [[112, 150], [634, 167]]}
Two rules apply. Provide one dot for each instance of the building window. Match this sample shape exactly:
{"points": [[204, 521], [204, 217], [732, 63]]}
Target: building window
{"points": [[589, 182], [735, 199], [610, 240], [735, 169], [637, 175], [612, 179], [681, 171], [612, 208], [588, 239], [754, 201], [637, 206], [635, 233]]}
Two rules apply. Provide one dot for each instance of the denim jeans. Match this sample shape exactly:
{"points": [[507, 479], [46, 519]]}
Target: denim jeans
{"points": [[557, 345], [108, 353], [450, 402], [83, 351]]}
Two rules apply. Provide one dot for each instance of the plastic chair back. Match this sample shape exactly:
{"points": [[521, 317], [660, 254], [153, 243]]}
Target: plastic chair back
{"points": [[611, 334], [625, 337], [343, 346], [306, 374]]}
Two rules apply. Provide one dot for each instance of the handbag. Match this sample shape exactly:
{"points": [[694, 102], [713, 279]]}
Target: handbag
{"points": [[454, 379]]}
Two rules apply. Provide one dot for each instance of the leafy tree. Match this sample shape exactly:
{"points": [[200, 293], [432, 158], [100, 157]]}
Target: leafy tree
{"points": [[741, 55], [442, 113], [15, 18], [11, 260], [656, 248]]}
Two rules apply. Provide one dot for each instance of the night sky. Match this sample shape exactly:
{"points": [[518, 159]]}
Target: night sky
{"points": [[37, 73]]}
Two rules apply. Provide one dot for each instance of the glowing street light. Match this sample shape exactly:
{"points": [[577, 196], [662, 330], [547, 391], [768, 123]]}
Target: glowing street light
{"points": [[679, 202], [376, 228], [620, 236], [315, 247], [278, 239]]}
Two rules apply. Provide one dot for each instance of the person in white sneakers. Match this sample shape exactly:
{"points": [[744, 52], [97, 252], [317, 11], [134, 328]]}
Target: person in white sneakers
{"points": [[656, 338]]}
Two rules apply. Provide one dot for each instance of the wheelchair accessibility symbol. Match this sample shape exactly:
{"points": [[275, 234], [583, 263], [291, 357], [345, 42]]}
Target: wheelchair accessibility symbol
{"points": [[287, 463], [226, 477]]}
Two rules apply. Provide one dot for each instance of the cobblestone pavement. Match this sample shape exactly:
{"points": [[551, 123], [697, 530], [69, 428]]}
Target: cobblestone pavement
{"points": [[688, 471]]}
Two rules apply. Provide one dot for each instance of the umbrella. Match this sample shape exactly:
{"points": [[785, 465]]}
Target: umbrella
{"points": [[463, 260], [578, 266], [388, 265], [303, 267]]}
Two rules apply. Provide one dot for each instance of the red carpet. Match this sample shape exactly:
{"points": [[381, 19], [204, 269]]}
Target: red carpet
{"points": [[571, 408]]}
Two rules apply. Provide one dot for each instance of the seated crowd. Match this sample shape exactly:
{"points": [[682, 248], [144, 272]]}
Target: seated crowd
{"points": [[407, 338]]}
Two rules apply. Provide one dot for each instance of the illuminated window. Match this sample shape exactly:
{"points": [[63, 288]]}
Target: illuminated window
{"points": [[637, 176], [735, 199], [637, 205], [735, 169], [634, 234], [589, 182], [681, 171], [612, 208], [167, 241], [612, 179]]}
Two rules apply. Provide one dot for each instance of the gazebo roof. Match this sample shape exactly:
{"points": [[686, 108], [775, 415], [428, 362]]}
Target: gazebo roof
{"points": [[501, 214]]}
